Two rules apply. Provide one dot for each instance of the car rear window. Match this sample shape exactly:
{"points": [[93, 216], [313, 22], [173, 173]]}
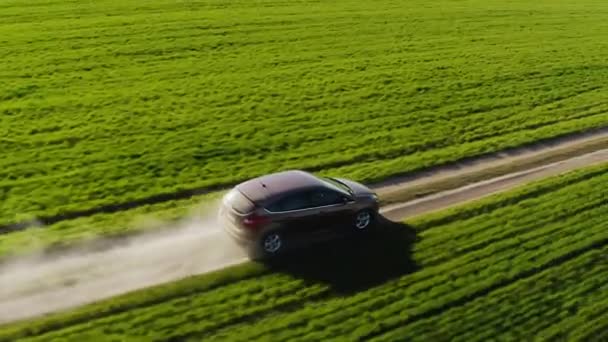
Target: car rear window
{"points": [[239, 202]]}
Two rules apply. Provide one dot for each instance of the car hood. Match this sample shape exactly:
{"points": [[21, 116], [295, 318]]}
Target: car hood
{"points": [[358, 188]]}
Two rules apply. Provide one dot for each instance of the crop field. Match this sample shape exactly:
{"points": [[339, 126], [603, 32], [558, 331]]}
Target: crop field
{"points": [[531, 261], [113, 102]]}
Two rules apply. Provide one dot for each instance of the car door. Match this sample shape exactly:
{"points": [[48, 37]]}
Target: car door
{"points": [[294, 213], [332, 210]]}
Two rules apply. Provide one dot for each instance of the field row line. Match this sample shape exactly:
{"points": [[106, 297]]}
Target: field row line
{"points": [[576, 278]]}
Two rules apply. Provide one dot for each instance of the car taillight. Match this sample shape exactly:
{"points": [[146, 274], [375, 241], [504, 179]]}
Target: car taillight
{"points": [[254, 221]]}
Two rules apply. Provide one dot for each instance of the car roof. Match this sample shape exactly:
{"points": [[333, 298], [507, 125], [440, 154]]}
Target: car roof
{"points": [[264, 187]]}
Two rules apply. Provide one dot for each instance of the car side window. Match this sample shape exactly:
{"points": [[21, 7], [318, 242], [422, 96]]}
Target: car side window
{"points": [[323, 197], [295, 201]]}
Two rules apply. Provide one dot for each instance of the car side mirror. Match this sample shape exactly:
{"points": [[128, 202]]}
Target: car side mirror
{"points": [[345, 200]]}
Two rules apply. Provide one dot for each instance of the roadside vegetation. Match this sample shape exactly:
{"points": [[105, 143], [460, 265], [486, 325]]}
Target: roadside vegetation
{"points": [[106, 102], [531, 261]]}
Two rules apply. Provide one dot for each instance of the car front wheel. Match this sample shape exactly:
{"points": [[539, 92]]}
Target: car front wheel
{"points": [[364, 219]]}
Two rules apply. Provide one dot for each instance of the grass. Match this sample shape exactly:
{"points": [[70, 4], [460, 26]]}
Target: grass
{"points": [[528, 262], [111, 102]]}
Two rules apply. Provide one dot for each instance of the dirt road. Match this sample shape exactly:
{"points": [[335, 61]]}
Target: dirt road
{"points": [[37, 285], [478, 190]]}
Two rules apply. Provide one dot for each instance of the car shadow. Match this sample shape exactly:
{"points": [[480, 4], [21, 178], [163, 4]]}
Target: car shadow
{"points": [[354, 263]]}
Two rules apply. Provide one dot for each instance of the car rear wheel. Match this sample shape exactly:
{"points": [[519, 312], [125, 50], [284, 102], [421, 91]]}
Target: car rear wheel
{"points": [[266, 247], [364, 219]]}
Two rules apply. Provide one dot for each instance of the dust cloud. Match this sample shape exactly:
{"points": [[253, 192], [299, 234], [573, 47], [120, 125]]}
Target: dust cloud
{"points": [[36, 284]]}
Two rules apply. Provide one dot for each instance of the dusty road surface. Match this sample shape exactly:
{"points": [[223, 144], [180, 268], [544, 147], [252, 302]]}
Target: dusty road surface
{"points": [[37, 285]]}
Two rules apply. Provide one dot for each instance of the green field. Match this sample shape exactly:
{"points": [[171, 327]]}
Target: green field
{"points": [[110, 102], [105, 102], [532, 261]]}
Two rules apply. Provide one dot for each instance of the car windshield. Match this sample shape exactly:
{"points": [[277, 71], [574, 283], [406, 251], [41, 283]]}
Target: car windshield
{"points": [[337, 184]]}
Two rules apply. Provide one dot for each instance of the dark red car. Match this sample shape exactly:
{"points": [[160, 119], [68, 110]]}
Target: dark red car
{"points": [[281, 211]]}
